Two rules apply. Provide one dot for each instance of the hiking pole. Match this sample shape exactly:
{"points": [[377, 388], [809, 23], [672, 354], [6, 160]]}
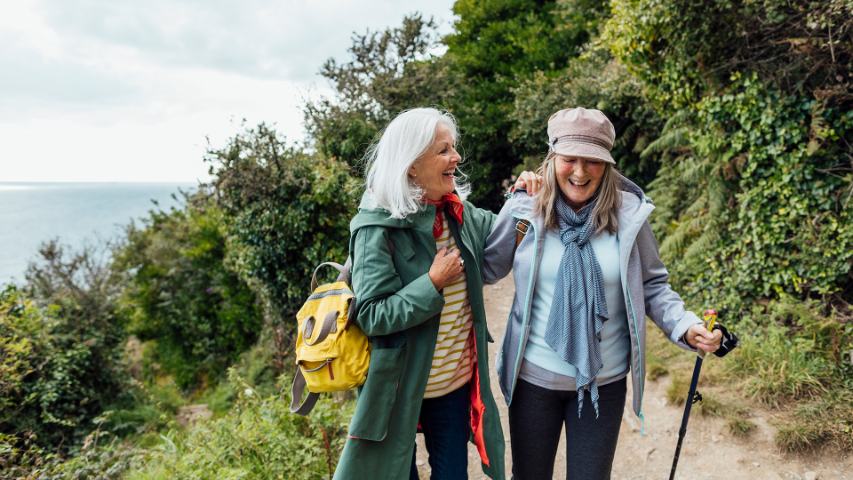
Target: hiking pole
{"points": [[710, 317]]}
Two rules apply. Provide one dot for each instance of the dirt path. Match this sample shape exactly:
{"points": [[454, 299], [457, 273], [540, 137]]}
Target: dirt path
{"points": [[649, 457]]}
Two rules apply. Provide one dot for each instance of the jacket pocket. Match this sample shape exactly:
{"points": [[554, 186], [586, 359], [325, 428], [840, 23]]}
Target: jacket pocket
{"points": [[377, 396]]}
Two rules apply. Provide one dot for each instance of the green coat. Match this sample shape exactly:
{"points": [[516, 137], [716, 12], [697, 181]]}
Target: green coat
{"points": [[399, 309]]}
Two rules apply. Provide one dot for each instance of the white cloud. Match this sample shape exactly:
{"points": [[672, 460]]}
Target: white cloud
{"points": [[128, 91]]}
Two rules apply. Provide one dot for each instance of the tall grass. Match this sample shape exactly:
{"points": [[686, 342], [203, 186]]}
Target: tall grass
{"points": [[258, 439], [791, 359]]}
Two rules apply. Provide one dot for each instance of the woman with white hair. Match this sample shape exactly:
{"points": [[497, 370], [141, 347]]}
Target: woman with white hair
{"points": [[417, 250]]}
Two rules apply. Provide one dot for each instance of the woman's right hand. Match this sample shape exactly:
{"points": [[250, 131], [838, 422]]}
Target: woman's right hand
{"points": [[447, 266], [529, 181]]}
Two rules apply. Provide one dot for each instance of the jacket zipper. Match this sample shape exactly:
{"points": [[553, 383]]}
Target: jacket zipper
{"points": [[526, 315]]}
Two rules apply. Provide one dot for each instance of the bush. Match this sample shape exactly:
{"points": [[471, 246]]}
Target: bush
{"points": [[757, 206], [258, 439], [288, 211], [182, 295], [60, 349], [684, 51], [792, 352]]}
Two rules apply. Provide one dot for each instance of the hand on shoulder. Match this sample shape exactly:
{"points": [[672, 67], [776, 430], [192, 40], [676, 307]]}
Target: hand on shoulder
{"points": [[529, 181]]}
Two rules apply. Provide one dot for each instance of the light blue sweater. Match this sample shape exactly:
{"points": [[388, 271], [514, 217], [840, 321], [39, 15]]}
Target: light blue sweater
{"points": [[542, 366]]}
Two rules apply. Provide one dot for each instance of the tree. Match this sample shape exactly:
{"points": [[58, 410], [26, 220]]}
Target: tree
{"points": [[288, 211], [495, 47], [182, 293], [388, 72]]}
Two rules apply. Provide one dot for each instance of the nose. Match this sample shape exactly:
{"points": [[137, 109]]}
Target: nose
{"points": [[580, 168], [456, 158]]}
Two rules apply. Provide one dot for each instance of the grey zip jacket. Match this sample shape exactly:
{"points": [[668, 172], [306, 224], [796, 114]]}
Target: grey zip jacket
{"points": [[644, 282]]}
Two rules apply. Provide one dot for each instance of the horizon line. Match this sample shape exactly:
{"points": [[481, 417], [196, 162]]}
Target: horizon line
{"points": [[163, 182]]}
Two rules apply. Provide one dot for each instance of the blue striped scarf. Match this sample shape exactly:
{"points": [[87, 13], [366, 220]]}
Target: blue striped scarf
{"points": [[579, 308]]}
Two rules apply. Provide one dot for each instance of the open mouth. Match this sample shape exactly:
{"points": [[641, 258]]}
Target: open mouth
{"points": [[579, 184], [449, 173]]}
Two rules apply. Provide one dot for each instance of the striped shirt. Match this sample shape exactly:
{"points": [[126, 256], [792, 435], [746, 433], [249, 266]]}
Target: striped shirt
{"points": [[452, 361]]}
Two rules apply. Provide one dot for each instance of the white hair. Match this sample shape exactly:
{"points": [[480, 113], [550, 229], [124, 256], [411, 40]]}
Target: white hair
{"points": [[403, 141]]}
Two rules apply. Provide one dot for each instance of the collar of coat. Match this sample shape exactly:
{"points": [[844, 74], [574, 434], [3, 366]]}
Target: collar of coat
{"points": [[370, 214]]}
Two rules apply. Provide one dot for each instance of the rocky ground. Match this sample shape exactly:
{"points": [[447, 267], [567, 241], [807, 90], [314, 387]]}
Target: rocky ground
{"points": [[709, 451]]}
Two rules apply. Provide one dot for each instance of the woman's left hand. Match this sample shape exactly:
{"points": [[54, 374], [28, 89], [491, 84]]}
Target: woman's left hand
{"points": [[700, 338]]}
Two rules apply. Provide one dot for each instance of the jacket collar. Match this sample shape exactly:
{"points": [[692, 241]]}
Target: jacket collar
{"points": [[370, 214], [633, 211]]}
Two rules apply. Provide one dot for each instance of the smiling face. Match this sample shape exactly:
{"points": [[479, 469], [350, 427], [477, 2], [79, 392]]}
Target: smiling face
{"points": [[578, 178], [433, 171]]}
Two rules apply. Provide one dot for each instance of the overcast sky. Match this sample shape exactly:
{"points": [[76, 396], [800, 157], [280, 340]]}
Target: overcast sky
{"points": [[121, 90]]}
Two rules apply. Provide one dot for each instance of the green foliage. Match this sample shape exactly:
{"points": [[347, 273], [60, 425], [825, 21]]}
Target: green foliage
{"points": [[288, 210], [182, 294], [20, 323], [757, 206], [60, 349], [389, 71], [103, 457], [495, 46], [793, 352], [682, 51], [258, 439]]}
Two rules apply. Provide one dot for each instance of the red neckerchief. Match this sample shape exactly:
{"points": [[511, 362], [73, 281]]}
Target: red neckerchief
{"points": [[455, 207]]}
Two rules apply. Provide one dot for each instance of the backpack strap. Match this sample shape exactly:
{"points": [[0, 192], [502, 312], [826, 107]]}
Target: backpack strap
{"points": [[521, 228], [296, 392], [346, 272], [337, 266]]}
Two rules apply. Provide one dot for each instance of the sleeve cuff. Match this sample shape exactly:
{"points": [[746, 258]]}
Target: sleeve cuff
{"points": [[680, 330], [434, 298]]}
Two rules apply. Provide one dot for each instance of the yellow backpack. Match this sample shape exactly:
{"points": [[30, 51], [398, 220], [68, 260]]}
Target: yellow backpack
{"points": [[332, 353]]}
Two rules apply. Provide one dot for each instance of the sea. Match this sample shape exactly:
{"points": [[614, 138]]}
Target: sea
{"points": [[75, 214]]}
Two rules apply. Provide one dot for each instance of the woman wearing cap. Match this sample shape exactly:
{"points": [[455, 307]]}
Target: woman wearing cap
{"points": [[587, 273], [417, 251]]}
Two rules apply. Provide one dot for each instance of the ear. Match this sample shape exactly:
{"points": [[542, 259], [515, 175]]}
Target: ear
{"points": [[413, 172]]}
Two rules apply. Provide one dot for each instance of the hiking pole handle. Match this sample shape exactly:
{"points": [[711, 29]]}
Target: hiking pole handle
{"points": [[710, 317]]}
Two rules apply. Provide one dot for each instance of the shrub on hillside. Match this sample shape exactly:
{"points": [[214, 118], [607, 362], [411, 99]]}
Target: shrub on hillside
{"points": [[258, 439], [182, 295], [684, 51], [756, 205], [60, 349], [288, 211]]}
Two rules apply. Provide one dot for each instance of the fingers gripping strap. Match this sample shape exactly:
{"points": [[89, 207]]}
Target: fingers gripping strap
{"points": [[296, 392], [337, 266], [329, 324]]}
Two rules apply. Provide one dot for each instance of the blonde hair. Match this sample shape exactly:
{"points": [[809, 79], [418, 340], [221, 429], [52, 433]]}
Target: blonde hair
{"points": [[604, 213]]}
